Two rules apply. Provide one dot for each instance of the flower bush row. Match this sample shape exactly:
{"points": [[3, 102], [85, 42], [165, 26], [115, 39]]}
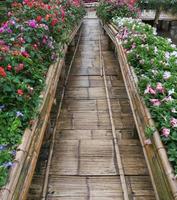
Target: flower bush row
{"points": [[30, 40], [122, 8], [154, 60]]}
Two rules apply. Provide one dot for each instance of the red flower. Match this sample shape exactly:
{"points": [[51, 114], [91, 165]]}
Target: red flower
{"points": [[132, 2], [2, 72], [20, 92], [9, 67], [39, 18], [54, 22], [25, 54]]}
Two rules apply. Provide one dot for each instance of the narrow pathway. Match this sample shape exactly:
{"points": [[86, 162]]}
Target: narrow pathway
{"points": [[84, 164]]}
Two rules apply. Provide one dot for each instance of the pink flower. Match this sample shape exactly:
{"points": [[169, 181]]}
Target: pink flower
{"points": [[160, 88], [155, 102], [19, 68], [44, 40], [148, 142], [168, 98], [173, 122], [133, 45], [165, 132], [9, 14], [35, 46], [9, 67], [20, 92], [149, 90], [21, 40]]}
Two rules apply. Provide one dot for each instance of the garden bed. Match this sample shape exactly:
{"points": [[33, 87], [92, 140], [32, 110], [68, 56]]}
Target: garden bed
{"points": [[27, 153], [161, 170]]}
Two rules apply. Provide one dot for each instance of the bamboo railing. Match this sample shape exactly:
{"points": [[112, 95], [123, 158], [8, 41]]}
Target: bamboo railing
{"points": [[160, 169], [27, 154]]}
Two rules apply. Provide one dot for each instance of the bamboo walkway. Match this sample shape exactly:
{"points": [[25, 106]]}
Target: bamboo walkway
{"points": [[96, 146]]}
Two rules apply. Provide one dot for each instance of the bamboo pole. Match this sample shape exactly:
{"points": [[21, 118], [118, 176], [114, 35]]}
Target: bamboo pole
{"points": [[45, 186], [116, 146]]}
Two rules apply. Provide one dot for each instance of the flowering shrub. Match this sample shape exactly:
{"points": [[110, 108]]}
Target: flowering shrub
{"points": [[122, 8], [30, 40], [155, 62]]}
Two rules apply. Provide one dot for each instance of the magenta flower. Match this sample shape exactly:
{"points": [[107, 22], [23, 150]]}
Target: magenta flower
{"points": [[2, 30], [32, 23], [155, 102], [173, 122], [166, 132], [160, 88]]}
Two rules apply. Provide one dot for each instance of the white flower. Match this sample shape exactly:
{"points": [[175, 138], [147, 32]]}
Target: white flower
{"points": [[167, 55], [166, 75], [155, 50], [174, 53], [154, 31], [173, 45], [173, 110], [169, 40], [170, 92], [154, 71]]}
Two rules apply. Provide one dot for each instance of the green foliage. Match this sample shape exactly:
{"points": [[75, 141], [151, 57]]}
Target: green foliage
{"points": [[31, 39], [107, 10], [149, 131]]}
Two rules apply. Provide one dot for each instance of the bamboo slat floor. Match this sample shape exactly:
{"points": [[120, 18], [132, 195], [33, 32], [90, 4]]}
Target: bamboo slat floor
{"points": [[84, 164]]}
